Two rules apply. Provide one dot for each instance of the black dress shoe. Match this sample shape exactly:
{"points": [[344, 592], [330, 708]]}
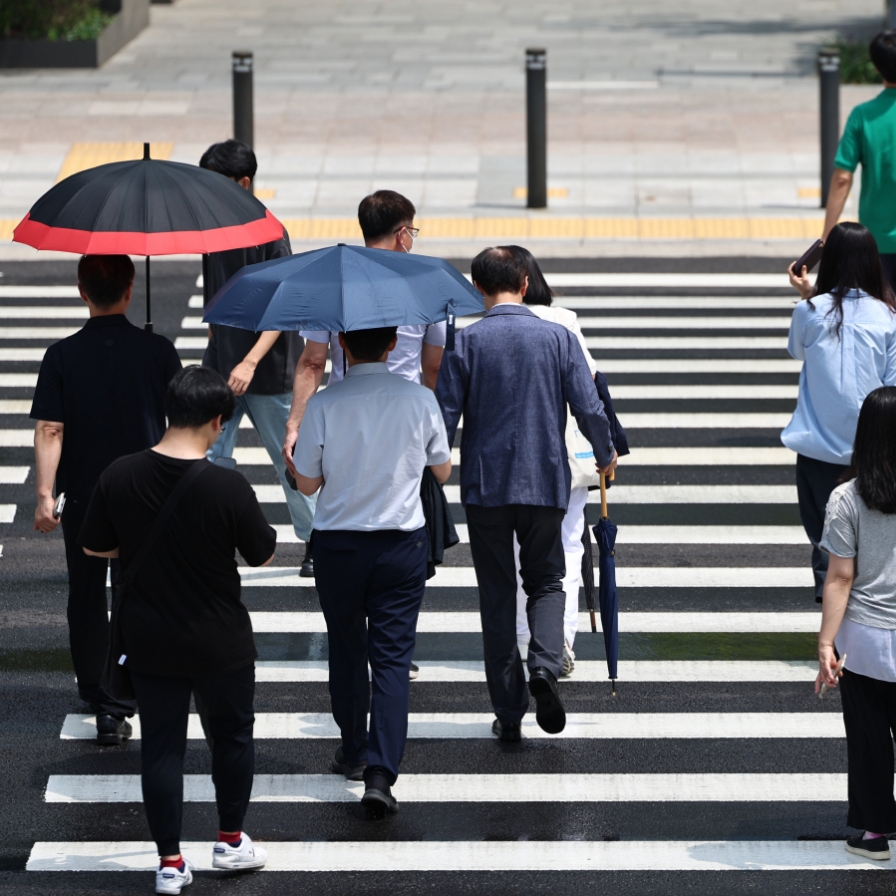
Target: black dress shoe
{"points": [[414, 672], [510, 734], [307, 570], [352, 771], [877, 848], [549, 711], [378, 794], [112, 732]]}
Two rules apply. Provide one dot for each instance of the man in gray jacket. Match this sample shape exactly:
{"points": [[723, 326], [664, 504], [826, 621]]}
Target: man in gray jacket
{"points": [[511, 377]]}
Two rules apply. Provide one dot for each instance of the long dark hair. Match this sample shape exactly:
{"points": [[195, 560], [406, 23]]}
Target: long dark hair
{"points": [[538, 292], [874, 455], [851, 261]]}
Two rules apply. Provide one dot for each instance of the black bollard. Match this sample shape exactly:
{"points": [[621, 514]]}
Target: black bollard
{"points": [[829, 115], [243, 116], [536, 128]]}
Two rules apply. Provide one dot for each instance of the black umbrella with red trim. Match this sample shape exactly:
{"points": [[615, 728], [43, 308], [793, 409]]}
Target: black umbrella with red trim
{"points": [[147, 207]]}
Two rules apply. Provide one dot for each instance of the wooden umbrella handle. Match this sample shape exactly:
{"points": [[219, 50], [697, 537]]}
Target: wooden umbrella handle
{"points": [[603, 497]]}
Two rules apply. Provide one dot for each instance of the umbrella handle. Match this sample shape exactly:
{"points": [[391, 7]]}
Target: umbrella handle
{"points": [[603, 497], [593, 622]]}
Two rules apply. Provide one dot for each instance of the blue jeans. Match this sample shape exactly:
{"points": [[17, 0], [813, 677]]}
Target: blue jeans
{"points": [[268, 414]]}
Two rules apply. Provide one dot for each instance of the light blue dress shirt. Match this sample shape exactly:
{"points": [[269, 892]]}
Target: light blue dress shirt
{"points": [[370, 436], [838, 371]]}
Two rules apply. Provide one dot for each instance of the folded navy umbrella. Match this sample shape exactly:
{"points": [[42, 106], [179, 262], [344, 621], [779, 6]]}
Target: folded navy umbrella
{"points": [[343, 288]]}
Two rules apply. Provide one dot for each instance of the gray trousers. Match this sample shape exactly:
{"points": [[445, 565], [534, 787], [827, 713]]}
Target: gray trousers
{"points": [[542, 567]]}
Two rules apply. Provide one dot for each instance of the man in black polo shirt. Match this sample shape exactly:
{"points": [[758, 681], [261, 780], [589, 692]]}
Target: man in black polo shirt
{"points": [[259, 367], [100, 395]]}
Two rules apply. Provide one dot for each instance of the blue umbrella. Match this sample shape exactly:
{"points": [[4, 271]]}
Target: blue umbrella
{"points": [[343, 288], [605, 535]]}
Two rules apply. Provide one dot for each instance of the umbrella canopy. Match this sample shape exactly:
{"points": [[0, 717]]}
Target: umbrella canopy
{"points": [[605, 535], [343, 288], [147, 207]]}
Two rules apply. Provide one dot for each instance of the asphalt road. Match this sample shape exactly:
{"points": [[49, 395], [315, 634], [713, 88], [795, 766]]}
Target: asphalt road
{"points": [[707, 680]]}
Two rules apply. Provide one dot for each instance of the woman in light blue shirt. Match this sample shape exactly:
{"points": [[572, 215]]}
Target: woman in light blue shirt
{"points": [[844, 332]]}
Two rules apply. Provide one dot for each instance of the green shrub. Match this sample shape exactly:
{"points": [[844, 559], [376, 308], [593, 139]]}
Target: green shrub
{"points": [[855, 61], [53, 19]]}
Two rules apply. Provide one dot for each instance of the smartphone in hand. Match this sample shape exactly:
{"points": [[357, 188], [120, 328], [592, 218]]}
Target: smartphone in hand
{"points": [[59, 506], [809, 258]]}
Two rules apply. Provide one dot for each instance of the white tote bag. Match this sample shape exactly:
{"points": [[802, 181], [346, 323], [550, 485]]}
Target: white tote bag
{"points": [[580, 454]]}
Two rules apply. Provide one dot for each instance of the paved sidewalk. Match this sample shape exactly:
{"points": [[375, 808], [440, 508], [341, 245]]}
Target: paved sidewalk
{"points": [[684, 121]]}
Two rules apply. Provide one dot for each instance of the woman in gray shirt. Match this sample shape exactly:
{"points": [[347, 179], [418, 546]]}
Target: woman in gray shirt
{"points": [[859, 620]]}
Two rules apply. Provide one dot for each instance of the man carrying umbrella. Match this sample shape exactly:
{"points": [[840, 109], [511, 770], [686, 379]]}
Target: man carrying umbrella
{"points": [[387, 222], [100, 395], [511, 377]]}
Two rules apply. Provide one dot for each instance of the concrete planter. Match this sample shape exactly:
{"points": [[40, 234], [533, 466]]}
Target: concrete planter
{"points": [[131, 17]]}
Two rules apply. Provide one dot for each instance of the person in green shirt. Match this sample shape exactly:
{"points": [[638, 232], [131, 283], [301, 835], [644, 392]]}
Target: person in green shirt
{"points": [[869, 139]]}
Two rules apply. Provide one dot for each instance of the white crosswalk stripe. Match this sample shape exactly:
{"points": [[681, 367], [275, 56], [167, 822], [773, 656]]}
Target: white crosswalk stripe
{"points": [[596, 726], [477, 856], [738, 491], [472, 788]]}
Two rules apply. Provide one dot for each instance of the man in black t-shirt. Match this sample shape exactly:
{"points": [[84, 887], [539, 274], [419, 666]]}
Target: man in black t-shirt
{"points": [[100, 394], [184, 628], [259, 367]]}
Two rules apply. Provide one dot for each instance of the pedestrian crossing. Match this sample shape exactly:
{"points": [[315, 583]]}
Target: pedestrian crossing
{"points": [[714, 756]]}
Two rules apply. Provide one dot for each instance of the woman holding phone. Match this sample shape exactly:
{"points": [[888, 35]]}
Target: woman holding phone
{"points": [[844, 332], [859, 620]]}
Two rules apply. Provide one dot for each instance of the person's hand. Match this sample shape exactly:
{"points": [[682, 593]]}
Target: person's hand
{"points": [[800, 281], [610, 466], [241, 376], [44, 519], [289, 444], [827, 667]]}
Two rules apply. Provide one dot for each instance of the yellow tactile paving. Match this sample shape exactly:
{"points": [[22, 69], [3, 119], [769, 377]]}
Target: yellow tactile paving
{"points": [[558, 228], [88, 155], [537, 227]]}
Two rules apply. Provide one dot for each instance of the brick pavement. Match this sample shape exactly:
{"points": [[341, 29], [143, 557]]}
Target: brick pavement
{"points": [[660, 111]]}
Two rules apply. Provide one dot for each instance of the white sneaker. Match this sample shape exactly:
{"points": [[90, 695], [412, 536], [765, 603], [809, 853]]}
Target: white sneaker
{"points": [[569, 660], [171, 880], [244, 857]]}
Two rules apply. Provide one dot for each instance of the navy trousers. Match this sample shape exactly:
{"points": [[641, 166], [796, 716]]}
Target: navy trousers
{"points": [[370, 586]]}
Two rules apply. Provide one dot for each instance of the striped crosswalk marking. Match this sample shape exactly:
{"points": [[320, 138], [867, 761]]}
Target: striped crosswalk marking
{"points": [[473, 788], [597, 726], [586, 670], [430, 621], [653, 322], [477, 856], [13, 475]]}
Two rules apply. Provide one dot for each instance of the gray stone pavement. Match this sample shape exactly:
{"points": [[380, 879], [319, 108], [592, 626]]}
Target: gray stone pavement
{"points": [[669, 109]]}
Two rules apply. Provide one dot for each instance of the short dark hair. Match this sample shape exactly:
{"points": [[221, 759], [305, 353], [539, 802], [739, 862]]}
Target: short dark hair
{"points": [[105, 278], [874, 455], [196, 395], [381, 212], [538, 292], [883, 55], [232, 158], [369, 345], [499, 269]]}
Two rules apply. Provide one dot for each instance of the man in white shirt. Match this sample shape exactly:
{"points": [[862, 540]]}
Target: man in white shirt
{"points": [[365, 442], [387, 222]]}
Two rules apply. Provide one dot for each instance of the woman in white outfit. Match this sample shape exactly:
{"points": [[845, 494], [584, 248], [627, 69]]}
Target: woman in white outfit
{"points": [[538, 300]]}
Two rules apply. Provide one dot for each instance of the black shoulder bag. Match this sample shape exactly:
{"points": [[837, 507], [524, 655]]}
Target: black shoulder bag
{"points": [[116, 680]]}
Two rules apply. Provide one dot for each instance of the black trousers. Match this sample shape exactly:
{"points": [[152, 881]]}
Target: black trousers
{"points": [[542, 567], [869, 715], [164, 706], [815, 480], [370, 586], [88, 615]]}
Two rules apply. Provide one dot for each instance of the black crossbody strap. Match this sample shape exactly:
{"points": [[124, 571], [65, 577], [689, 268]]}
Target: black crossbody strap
{"points": [[162, 518]]}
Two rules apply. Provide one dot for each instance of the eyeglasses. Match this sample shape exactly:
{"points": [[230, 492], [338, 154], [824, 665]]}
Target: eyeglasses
{"points": [[413, 231]]}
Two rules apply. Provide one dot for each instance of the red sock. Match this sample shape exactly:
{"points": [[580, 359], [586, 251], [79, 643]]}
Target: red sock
{"points": [[231, 838], [172, 863]]}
